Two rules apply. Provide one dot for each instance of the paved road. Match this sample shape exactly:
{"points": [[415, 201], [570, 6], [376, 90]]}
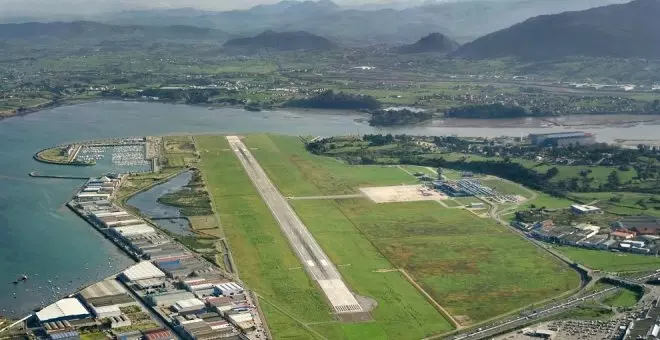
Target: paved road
{"points": [[315, 261], [154, 316]]}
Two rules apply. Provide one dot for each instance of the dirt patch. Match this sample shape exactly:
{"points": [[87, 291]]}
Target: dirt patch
{"points": [[403, 193], [368, 304], [464, 320]]}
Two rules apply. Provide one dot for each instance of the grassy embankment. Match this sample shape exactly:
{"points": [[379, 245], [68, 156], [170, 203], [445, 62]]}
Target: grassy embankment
{"points": [[55, 155], [471, 266], [587, 311]]}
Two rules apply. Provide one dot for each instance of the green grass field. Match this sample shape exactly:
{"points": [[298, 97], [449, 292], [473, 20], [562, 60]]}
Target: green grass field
{"points": [[472, 266], [299, 173], [402, 313], [611, 261], [419, 169], [627, 203], [550, 202], [623, 298]]}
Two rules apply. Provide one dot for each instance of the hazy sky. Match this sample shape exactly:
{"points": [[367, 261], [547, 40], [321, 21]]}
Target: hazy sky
{"points": [[14, 7]]}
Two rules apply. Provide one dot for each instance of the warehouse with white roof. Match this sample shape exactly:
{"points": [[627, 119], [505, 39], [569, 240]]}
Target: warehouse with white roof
{"points": [[188, 305], [105, 293], [65, 309], [228, 289], [142, 271], [134, 230]]}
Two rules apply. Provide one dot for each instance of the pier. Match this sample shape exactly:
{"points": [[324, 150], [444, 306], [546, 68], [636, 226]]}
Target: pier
{"points": [[38, 175]]}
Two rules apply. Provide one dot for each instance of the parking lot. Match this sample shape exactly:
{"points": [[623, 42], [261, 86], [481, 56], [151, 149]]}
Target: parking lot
{"points": [[571, 330]]}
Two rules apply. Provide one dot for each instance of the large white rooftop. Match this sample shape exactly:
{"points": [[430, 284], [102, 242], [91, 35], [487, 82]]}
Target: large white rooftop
{"points": [[103, 289], [188, 303], [137, 229], [62, 309], [141, 271]]}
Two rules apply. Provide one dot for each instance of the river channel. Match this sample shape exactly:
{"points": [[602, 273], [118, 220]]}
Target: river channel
{"points": [[167, 217], [41, 238]]}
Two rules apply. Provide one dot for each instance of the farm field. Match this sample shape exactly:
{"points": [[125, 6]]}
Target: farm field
{"points": [[471, 266], [611, 261], [299, 173]]}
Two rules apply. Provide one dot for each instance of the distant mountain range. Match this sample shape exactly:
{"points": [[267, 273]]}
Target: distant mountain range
{"points": [[80, 30], [281, 41], [434, 42], [397, 24], [623, 31]]}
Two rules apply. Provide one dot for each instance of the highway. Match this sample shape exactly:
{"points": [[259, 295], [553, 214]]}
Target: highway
{"points": [[316, 262], [544, 312]]}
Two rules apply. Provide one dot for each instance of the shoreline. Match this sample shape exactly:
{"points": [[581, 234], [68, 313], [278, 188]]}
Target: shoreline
{"points": [[544, 121]]}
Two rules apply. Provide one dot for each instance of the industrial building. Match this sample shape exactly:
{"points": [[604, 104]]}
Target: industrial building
{"points": [[159, 334], [119, 321], [244, 321], [169, 298], [68, 335], [192, 305], [142, 271], [103, 312], [562, 139], [228, 289], [181, 266], [580, 209], [134, 230], [105, 293], [642, 225], [65, 309]]}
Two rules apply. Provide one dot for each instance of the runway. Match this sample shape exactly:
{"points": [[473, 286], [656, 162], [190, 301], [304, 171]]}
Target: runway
{"points": [[316, 262]]}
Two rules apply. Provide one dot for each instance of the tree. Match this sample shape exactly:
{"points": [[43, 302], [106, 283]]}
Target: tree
{"points": [[613, 179], [552, 172]]}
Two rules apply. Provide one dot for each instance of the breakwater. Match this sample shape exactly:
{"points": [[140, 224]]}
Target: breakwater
{"points": [[38, 175]]}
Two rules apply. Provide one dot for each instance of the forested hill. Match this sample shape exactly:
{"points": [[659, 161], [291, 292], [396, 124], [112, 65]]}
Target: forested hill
{"points": [[434, 42], [34, 31], [281, 41], [624, 31]]}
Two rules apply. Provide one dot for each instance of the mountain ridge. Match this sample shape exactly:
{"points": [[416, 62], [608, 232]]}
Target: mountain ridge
{"points": [[462, 21], [89, 29], [434, 42], [619, 31], [281, 41]]}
